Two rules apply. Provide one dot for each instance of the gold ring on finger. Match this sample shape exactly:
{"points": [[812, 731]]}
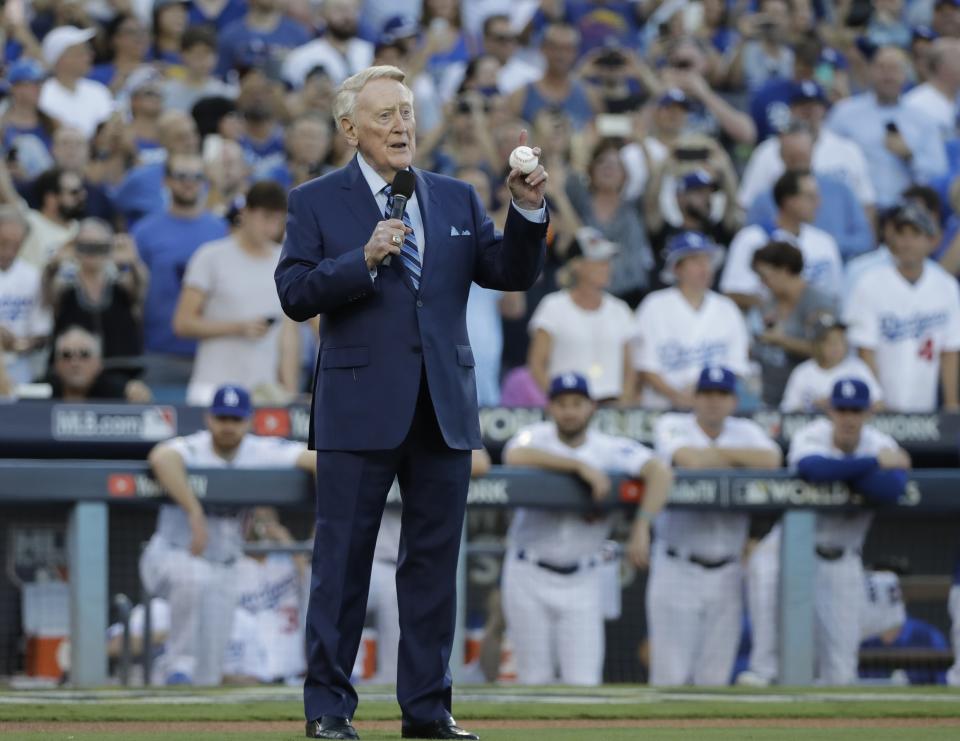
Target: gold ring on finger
{"points": [[397, 240]]}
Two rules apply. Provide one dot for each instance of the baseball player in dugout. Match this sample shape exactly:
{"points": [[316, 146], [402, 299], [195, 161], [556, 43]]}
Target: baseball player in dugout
{"points": [[693, 594], [840, 447], [551, 583], [387, 252], [191, 560]]}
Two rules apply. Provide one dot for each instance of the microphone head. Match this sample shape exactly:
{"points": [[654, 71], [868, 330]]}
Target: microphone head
{"points": [[403, 184]]}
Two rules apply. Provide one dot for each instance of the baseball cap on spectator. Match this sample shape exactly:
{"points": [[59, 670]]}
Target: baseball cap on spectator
{"points": [[910, 214], [568, 383], [850, 394], [924, 32], [143, 78], [62, 38], [698, 178], [717, 378], [807, 91], [161, 4], [674, 96], [231, 401], [684, 245], [397, 27], [591, 245], [26, 70], [824, 324]]}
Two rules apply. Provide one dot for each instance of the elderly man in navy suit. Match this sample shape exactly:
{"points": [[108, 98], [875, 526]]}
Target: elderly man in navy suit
{"points": [[395, 393]]}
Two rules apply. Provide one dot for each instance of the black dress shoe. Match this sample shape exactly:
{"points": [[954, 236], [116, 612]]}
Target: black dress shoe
{"points": [[331, 726], [436, 729]]}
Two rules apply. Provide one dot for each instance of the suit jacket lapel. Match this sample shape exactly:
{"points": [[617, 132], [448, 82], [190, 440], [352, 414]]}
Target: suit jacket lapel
{"points": [[429, 206], [362, 203]]}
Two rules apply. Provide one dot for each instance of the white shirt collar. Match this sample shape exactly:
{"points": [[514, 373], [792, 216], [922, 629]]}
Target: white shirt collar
{"points": [[373, 178]]}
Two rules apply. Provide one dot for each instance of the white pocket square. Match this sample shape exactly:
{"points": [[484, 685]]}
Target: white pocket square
{"points": [[454, 232]]}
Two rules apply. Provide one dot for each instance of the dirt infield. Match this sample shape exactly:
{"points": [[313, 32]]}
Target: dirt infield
{"points": [[277, 727]]}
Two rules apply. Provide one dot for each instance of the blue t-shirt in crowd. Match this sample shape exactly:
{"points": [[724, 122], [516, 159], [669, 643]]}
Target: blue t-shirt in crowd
{"points": [[840, 215], [770, 107], [234, 10], [243, 47], [103, 73], [166, 244], [264, 157]]}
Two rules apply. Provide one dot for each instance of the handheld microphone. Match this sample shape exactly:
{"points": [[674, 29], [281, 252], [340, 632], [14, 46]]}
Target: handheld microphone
{"points": [[402, 188]]}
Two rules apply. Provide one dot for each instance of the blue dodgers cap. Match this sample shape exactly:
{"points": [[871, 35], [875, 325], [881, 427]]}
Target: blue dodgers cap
{"points": [[231, 401], [684, 245], [26, 70], [806, 91], [924, 32], [850, 393], [673, 96], [717, 378], [397, 27], [569, 383], [699, 178]]}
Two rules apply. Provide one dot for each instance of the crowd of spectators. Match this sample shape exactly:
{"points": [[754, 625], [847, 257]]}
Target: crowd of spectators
{"points": [[724, 174]]}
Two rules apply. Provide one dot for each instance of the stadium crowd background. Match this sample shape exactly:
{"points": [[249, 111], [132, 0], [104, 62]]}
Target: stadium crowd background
{"points": [[771, 151]]}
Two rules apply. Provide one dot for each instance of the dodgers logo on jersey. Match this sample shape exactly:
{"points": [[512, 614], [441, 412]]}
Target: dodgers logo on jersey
{"points": [[894, 328], [675, 356]]}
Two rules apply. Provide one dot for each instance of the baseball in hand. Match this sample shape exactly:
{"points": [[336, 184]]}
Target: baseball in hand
{"points": [[524, 160]]}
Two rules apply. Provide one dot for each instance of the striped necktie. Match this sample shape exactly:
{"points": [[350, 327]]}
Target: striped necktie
{"points": [[409, 254]]}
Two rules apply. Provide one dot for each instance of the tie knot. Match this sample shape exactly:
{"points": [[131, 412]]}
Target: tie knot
{"points": [[388, 190]]}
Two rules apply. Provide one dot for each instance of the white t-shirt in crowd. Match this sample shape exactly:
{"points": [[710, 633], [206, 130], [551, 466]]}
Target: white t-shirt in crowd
{"points": [[89, 104], [908, 325], [676, 341], [709, 535], [590, 343], [809, 383], [22, 313], [936, 106], [564, 537], [845, 529], [238, 287], [833, 155], [320, 52], [224, 532], [822, 264]]}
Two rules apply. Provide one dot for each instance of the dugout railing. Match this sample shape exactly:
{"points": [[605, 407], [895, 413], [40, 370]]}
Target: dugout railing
{"points": [[91, 488]]}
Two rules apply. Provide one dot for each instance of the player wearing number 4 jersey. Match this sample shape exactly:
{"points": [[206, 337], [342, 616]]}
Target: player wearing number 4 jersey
{"points": [[551, 575], [191, 558], [840, 448], [905, 320], [693, 595]]}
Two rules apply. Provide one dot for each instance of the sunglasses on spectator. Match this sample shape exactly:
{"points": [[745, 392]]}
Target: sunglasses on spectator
{"points": [[681, 64], [503, 38], [191, 177], [93, 248], [78, 191], [81, 354]]}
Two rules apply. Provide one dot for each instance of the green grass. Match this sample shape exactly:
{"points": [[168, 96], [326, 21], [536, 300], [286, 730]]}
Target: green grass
{"points": [[607, 734], [288, 711]]}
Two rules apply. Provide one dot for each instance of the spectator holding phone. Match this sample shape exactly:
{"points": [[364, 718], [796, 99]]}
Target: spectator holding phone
{"points": [[98, 282], [903, 145], [763, 54], [229, 303]]}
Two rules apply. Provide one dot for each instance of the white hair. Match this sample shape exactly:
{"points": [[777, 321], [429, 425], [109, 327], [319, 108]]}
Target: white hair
{"points": [[346, 99]]}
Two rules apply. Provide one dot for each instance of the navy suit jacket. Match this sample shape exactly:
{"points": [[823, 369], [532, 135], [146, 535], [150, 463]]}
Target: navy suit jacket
{"points": [[378, 334]]}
